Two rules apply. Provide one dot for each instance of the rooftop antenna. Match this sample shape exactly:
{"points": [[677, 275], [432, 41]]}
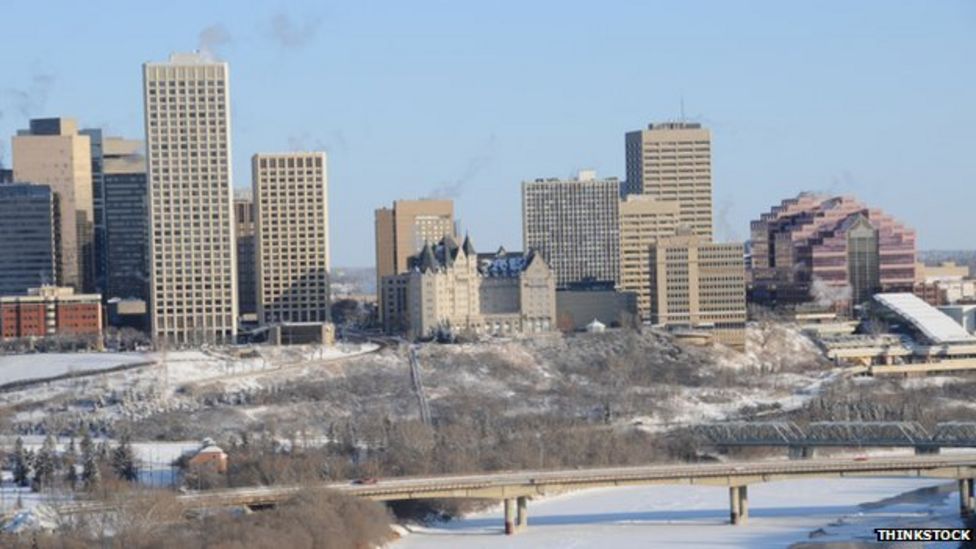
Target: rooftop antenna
{"points": [[682, 109]]}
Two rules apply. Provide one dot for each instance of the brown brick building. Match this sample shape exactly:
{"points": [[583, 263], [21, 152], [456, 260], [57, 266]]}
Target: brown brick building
{"points": [[50, 311]]}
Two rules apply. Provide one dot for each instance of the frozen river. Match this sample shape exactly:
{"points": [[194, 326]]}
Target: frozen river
{"points": [[781, 514]]}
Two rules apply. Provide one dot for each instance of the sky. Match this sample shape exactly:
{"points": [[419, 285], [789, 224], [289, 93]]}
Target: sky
{"points": [[467, 99]]}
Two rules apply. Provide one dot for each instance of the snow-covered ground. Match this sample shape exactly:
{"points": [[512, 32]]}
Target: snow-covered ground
{"points": [[47, 365], [140, 392], [781, 513]]}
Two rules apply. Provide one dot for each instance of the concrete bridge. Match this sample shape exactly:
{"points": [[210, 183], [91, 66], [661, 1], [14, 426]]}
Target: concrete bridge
{"points": [[516, 488]]}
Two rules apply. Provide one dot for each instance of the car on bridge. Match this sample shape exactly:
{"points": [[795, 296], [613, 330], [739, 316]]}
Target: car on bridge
{"points": [[366, 480]]}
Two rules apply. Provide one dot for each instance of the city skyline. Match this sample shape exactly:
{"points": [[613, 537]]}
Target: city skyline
{"points": [[454, 128]]}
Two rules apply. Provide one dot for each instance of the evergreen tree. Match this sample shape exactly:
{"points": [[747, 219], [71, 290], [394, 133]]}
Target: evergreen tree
{"points": [[70, 462], [89, 460], [21, 463], [123, 460], [102, 451], [44, 464]]}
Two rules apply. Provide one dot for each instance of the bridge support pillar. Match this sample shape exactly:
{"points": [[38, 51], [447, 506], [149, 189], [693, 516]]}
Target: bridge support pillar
{"points": [[965, 496], [522, 517], [972, 495], [743, 504], [509, 517], [738, 504], [734, 504]]}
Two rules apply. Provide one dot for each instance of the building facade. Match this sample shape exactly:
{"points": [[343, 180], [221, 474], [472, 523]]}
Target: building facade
{"points": [[99, 251], [575, 225], [643, 219], [247, 274], [52, 152], [451, 289], [125, 219], [579, 306], [833, 249], [673, 161], [50, 311], [401, 232], [193, 286], [118, 168], [292, 228], [30, 243], [699, 285]]}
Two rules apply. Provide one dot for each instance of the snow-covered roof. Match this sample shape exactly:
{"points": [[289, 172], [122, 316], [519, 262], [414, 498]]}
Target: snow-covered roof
{"points": [[935, 325], [503, 263], [212, 449]]}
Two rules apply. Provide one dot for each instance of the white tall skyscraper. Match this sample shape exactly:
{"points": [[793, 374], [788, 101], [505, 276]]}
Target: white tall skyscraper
{"points": [[291, 199], [193, 286]]}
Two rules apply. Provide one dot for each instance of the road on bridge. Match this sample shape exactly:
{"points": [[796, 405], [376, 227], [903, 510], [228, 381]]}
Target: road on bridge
{"points": [[518, 486]]}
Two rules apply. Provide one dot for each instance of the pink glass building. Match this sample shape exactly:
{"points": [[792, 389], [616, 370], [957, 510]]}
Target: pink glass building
{"points": [[831, 249]]}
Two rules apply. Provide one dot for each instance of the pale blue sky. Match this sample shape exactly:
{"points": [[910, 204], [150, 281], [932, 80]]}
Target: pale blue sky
{"points": [[874, 98]]}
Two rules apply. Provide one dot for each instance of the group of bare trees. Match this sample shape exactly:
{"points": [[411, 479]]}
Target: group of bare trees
{"points": [[143, 519], [474, 439]]}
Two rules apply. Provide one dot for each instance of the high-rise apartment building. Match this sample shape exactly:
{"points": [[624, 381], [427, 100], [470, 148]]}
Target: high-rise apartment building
{"points": [[247, 275], [574, 224], [699, 285], [52, 152], [643, 219], [125, 219], [29, 237], [193, 287], [673, 161], [292, 221]]}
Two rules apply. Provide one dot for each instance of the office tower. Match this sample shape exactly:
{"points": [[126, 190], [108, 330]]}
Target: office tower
{"points": [[125, 219], [450, 289], [99, 252], [52, 152], [193, 286], [29, 238], [292, 223], [699, 285], [673, 161], [402, 230], [575, 225], [643, 219], [49, 311], [835, 250], [247, 276]]}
